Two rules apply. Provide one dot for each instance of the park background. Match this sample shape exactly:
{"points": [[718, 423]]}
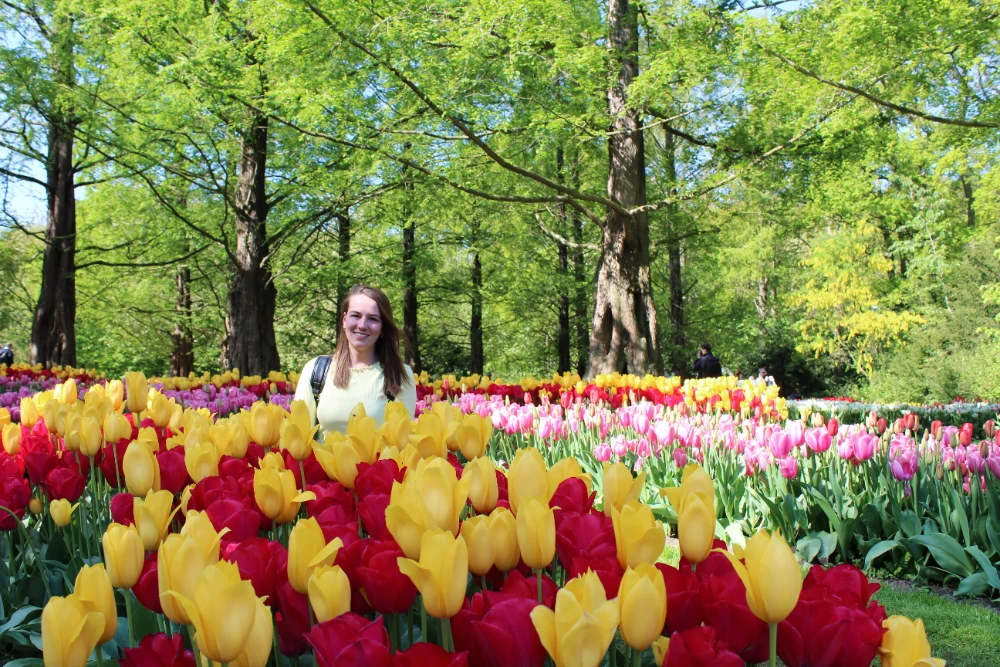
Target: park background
{"points": [[813, 187]]}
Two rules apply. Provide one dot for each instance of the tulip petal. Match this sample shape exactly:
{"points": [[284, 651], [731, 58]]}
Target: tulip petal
{"points": [[544, 620], [329, 552]]}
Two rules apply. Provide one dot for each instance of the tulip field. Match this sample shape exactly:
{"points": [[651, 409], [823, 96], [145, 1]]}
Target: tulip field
{"points": [[179, 521]]}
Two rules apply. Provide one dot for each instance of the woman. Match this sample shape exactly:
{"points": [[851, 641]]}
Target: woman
{"points": [[365, 368]]}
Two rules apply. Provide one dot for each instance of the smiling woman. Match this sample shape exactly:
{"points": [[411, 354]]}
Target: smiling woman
{"points": [[365, 368]]}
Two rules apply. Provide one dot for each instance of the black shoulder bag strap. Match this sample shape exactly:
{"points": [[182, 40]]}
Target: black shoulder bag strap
{"points": [[318, 378]]}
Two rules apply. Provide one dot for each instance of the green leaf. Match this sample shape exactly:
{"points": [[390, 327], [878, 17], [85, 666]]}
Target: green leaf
{"points": [[947, 552], [909, 523], [879, 549], [17, 618], [808, 548], [974, 585], [845, 537], [991, 572]]}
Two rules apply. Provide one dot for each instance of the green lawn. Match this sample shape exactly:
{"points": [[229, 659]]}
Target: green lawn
{"points": [[964, 633]]}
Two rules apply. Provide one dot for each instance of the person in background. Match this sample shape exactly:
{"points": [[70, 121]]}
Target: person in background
{"points": [[7, 354], [706, 365], [762, 375]]}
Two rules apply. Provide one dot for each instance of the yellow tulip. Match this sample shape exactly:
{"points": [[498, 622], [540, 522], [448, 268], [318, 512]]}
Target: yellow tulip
{"points": [[572, 635], [116, 427], [660, 648], [257, 651], [771, 576], [93, 587], [694, 480], [276, 495], [527, 478], [329, 593], [222, 610], [180, 562], [61, 512], [116, 394], [536, 533], [483, 489], [70, 631], [123, 555], [148, 435], [695, 528], [476, 533], [339, 458], [619, 487], [638, 535], [35, 506], [91, 438], [69, 393], [905, 644], [430, 425], [201, 460], [642, 606], [503, 530], [473, 435], [265, 424], [361, 427], [308, 550], [441, 573], [29, 412], [200, 527], [138, 391], [395, 430], [430, 497], [12, 438], [563, 470], [142, 471], [588, 590], [152, 517]]}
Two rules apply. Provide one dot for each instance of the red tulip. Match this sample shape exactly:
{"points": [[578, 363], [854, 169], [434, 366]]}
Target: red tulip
{"points": [[173, 473], [585, 535], [936, 428], [350, 639], [387, 590], [292, 619], [122, 508], [38, 465], [818, 633], [377, 478], [331, 494], [372, 512], [423, 654], [507, 635], [64, 483], [11, 466], [158, 651], [990, 428], [698, 647], [15, 493], [210, 489], [881, 425], [236, 468], [314, 471], [243, 523], [112, 463], [519, 586], [683, 598], [147, 589], [607, 569], [571, 497], [724, 604], [261, 562], [832, 427]]}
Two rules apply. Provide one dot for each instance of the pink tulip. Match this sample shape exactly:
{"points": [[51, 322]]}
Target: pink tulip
{"points": [[665, 433], [976, 462], [781, 444], [864, 446], [641, 424], [904, 466], [602, 453], [818, 439], [789, 467], [681, 459], [993, 463]]}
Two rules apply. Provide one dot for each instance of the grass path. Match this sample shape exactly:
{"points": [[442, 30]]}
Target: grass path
{"points": [[963, 633]]}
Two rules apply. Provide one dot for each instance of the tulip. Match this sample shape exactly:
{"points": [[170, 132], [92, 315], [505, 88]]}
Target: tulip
{"points": [[35, 506], [123, 554], [430, 497], [201, 460], [638, 536], [642, 606], [536, 533], [694, 480], [222, 610], [116, 427], [29, 412], [142, 471], [503, 530], [307, 550], [482, 554], [138, 391], [695, 528], [619, 487], [339, 458], [329, 593], [473, 435], [660, 648], [91, 438], [441, 574], [265, 423], [276, 494], [61, 512], [152, 517], [567, 468], [905, 644], [257, 651], [180, 562], [71, 629], [527, 478], [12, 438], [200, 527], [483, 489], [572, 635], [93, 587]]}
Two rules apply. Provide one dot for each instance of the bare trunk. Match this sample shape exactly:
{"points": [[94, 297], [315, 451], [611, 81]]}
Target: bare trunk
{"points": [[410, 328], [182, 356], [343, 257], [624, 334], [53, 328], [476, 323], [564, 324], [678, 336], [251, 344], [762, 304], [970, 201], [581, 288]]}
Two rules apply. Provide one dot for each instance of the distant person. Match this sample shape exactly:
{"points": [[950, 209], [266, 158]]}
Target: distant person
{"points": [[706, 365], [7, 354], [762, 375]]}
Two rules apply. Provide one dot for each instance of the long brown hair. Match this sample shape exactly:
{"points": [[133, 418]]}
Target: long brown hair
{"points": [[386, 347]]}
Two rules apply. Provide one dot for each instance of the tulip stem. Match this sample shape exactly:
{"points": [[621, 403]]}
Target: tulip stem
{"points": [[100, 656], [636, 658], [774, 644], [194, 644], [128, 616], [278, 662], [393, 643], [538, 578], [423, 620], [446, 642]]}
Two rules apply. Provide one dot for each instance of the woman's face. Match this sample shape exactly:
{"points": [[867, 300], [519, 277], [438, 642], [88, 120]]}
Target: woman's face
{"points": [[362, 322]]}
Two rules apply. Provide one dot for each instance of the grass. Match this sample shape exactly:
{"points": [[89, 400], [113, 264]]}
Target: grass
{"points": [[963, 633]]}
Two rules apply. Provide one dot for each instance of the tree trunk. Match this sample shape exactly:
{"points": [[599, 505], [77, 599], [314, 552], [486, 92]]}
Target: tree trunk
{"points": [[53, 328], [343, 256], [182, 356], [624, 334], [581, 287], [678, 337], [252, 294], [970, 201], [476, 322], [410, 329], [564, 333]]}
